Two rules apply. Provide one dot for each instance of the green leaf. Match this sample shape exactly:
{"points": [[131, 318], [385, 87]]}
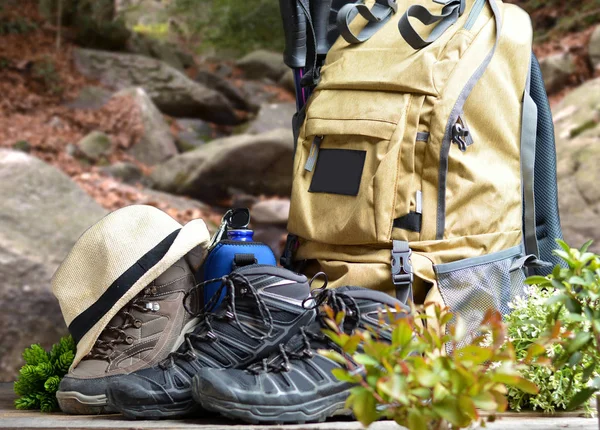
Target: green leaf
{"points": [[485, 401], [556, 298], [366, 360], [402, 334], [586, 246], [345, 376], [51, 385], [333, 355], [35, 355], [526, 386], [588, 372], [365, 408], [575, 358], [581, 397], [449, 410], [581, 339], [474, 354], [536, 280], [426, 378], [416, 420]]}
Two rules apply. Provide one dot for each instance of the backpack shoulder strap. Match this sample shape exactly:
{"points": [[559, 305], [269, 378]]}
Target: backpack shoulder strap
{"points": [[545, 189]]}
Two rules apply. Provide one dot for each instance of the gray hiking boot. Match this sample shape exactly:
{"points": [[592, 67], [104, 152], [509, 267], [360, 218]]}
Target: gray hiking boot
{"points": [[142, 334]]}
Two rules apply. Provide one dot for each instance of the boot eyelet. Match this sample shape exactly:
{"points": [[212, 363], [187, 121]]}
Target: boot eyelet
{"points": [[153, 290], [137, 323], [129, 340]]}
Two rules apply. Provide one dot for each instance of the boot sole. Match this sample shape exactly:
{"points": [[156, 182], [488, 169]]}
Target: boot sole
{"points": [[315, 411], [75, 403], [154, 412]]}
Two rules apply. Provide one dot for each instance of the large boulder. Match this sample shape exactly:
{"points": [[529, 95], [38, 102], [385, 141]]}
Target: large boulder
{"points": [[237, 96], [95, 146], [557, 69], [254, 164], [263, 64], [272, 116], [157, 144], [594, 48], [577, 121], [42, 214], [172, 91]]}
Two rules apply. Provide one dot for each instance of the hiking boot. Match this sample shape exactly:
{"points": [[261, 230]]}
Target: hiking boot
{"points": [[296, 385], [142, 334], [262, 308]]}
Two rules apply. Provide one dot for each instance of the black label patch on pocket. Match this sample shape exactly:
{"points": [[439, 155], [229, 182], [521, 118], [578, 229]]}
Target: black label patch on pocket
{"points": [[338, 171]]}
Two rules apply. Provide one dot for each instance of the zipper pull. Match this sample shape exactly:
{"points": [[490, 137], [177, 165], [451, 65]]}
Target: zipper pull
{"points": [[461, 135], [313, 154]]}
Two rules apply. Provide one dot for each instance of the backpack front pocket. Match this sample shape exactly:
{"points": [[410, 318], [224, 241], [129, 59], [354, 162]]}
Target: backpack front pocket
{"points": [[346, 167]]}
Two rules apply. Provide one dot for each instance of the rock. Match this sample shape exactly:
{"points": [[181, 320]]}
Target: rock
{"points": [[43, 213], [172, 91], [186, 142], [259, 95], [272, 235], [224, 70], [272, 116], [95, 146], [557, 70], [271, 212], [126, 172], [255, 164], [161, 50], [238, 98], [287, 81], [90, 98], [578, 134], [157, 143], [594, 48], [263, 64]]}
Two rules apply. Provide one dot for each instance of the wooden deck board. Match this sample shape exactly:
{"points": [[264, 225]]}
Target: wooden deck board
{"points": [[12, 418]]}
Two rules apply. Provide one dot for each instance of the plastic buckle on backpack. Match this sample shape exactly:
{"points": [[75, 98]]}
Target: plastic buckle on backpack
{"points": [[402, 271]]}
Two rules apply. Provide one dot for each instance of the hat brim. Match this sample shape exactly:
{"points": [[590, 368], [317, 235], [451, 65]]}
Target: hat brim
{"points": [[192, 235]]}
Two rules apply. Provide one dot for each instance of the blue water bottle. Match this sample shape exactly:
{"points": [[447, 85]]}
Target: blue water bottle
{"points": [[239, 249]]}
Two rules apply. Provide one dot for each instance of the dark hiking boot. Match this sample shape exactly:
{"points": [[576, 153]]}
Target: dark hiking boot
{"points": [[142, 334], [296, 385], [263, 307]]}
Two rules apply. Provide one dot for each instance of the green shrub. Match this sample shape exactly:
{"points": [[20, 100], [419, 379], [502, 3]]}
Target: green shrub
{"points": [[413, 381], [233, 25], [577, 299], [39, 378], [527, 322], [47, 74]]}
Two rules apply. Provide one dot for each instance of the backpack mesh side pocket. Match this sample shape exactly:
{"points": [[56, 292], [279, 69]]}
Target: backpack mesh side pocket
{"points": [[473, 286]]}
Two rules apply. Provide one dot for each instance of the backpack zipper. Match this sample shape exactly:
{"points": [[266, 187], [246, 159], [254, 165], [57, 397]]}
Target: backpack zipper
{"points": [[313, 154], [474, 14]]}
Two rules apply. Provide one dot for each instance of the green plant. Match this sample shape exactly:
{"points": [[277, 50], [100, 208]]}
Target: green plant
{"points": [[233, 25], [577, 295], [17, 25], [412, 379], [39, 377], [47, 74], [529, 319]]}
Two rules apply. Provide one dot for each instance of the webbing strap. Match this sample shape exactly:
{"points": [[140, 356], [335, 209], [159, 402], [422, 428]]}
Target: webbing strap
{"points": [[457, 110], [377, 16], [528, 147], [452, 10]]}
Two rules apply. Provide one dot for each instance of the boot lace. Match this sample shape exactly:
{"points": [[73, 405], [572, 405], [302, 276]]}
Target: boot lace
{"points": [[204, 332], [340, 302], [103, 349]]}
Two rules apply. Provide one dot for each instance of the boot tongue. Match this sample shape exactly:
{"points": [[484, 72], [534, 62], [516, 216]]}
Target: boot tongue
{"points": [[276, 281]]}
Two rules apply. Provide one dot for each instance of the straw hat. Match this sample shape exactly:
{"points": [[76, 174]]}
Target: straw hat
{"points": [[114, 260]]}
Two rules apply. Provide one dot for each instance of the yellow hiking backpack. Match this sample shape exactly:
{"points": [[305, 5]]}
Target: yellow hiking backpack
{"points": [[422, 156]]}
